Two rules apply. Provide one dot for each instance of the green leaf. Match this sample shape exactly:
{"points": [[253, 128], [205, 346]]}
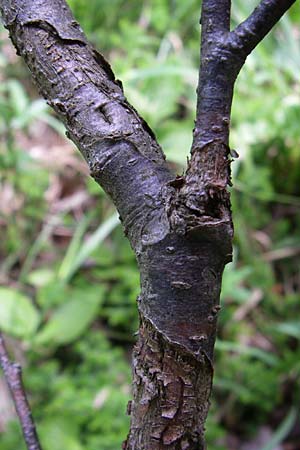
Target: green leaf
{"points": [[58, 433], [289, 328], [252, 352], [233, 279], [18, 316], [40, 277], [67, 264], [18, 97], [72, 261], [72, 318]]}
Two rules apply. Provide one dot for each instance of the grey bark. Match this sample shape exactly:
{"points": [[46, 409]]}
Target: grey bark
{"points": [[179, 227]]}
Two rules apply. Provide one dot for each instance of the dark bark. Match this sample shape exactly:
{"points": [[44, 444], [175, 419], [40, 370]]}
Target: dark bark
{"points": [[13, 376], [249, 33], [180, 228]]}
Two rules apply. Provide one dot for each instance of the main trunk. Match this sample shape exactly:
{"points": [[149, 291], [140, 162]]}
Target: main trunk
{"points": [[181, 256], [172, 360]]}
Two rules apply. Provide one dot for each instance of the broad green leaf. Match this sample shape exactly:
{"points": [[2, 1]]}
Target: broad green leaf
{"points": [[72, 318], [18, 316]]}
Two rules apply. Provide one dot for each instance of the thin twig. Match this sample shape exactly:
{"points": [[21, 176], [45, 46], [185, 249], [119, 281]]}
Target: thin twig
{"points": [[13, 377]]}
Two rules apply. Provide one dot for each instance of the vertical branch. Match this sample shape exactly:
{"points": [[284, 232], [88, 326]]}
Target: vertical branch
{"points": [[202, 200], [215, 86], [215, 15], [13, 376]]}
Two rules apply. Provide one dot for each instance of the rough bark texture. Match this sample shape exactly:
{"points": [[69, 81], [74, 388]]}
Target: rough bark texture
{"points": [[179, 227]]}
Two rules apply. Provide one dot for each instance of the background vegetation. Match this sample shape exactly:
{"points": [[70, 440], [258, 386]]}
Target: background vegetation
{"points": [[69, 278]]}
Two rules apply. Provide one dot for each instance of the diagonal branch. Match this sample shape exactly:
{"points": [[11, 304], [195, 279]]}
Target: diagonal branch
{"points": [[249, 33], [79, 84], [13, 377]]}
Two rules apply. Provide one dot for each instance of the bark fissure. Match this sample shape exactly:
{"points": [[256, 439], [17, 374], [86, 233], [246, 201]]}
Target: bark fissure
{"points": [[171, 394], [179, 227]]}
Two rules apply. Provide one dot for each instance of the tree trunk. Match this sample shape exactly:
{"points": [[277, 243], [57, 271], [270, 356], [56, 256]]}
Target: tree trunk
{"points": [[179, 227]]}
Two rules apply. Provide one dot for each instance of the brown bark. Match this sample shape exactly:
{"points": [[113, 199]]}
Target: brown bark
{"points": [[171, 393], [179, 227], [13, 376]]}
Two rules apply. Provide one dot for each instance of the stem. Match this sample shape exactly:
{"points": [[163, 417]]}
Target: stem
{"points": [[13, 376], [216, 77]]}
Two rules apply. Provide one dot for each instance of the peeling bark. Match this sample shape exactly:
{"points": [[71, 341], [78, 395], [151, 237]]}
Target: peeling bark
{"points": [[179, 227], [171, 394]]}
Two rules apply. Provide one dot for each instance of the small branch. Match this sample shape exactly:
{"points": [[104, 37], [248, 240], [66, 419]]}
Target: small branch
{"points": [[249, 33], [223, 54], [13, 377]]}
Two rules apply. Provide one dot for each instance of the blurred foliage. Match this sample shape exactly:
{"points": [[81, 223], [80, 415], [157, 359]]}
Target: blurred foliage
{"points": [[69, 278]]}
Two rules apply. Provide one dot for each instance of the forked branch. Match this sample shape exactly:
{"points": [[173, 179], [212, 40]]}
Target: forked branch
{"points": [[13, 376], [223, 54]]}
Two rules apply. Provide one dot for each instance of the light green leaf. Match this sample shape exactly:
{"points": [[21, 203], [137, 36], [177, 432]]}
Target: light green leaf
{"points": [[40, 277], [18, 97], [58, 433], [289, 328], [18, 316], [67, 265], [72, 318]]}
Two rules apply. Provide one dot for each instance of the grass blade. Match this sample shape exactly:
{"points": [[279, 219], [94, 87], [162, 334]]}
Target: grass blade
{"points": [[90, 245], [282, 431]]}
